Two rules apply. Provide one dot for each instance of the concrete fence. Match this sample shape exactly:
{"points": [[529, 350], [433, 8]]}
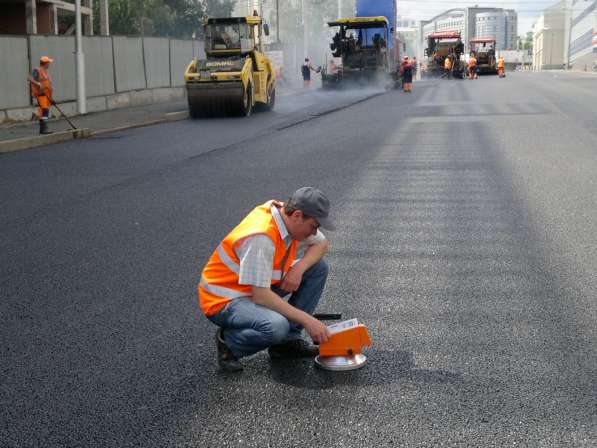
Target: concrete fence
{"points": [[120, 71]]}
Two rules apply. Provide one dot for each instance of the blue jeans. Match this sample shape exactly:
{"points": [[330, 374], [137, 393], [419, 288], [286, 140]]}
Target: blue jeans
{"points": [[249, 328]]}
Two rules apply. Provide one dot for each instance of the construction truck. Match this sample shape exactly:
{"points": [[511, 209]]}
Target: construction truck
{"points": [[362, 44], [483, 48], [236, 76], [442, 45]]}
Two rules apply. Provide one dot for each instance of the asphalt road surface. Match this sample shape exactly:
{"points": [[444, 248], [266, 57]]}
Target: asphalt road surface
{"points": [[466, 213]]}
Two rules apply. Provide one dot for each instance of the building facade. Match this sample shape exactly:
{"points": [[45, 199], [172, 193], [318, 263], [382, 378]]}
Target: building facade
{"points": [[549, 37], [405, 22], [565, 36], [455, 22], [500, 25], [582, 34], [407, 34], [477, 22], [22, 17]]}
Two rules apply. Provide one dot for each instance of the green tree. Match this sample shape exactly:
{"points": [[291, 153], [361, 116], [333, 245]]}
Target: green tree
{"points": [[219, 8], [172, 18], [176, 18], [528, 42], [122, 17], [525, 42]]}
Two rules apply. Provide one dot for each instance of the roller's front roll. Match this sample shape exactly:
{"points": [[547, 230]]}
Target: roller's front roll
{"points": [[217, 98]]}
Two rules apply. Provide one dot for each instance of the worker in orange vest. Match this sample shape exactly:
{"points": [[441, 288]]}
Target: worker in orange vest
{"points": [[276, 251], [406, 73], [472, 67], [41, 90], [448, 66], [501, 66]]}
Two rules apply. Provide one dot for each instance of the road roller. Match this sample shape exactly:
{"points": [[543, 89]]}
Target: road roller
{"points": [[236, 77]]}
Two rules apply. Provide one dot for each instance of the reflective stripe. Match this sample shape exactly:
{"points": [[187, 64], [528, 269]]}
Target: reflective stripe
{"points": [[221, 291], [235, 267], [229, 262]]}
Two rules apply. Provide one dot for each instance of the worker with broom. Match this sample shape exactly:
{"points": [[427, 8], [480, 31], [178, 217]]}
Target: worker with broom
{"points": [[41, 90]]}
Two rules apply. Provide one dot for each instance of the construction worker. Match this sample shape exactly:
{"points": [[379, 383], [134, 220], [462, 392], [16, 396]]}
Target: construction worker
{"points": [[306, 72], [332, 68], [406, 72], [41, 89], [501, 66], [258, 263], [448, 66], [472, 67]]}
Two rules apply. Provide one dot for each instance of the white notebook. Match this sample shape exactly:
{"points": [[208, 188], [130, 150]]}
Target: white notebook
{"points": [[342, 326]]}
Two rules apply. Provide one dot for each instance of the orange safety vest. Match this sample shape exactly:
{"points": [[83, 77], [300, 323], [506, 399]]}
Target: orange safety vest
{"points": [[500, 63], [46, 85], [219, 279], [447, 64], [472, 62]]}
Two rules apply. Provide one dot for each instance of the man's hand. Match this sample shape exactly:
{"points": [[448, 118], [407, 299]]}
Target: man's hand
{"points": [[265, 297], [317, 330], [293, 278]]}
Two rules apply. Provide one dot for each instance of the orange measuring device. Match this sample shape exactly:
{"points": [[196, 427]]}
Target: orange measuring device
{"points": [[346, 341]]}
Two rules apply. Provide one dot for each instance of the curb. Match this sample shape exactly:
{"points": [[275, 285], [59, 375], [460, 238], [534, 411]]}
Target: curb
{"points": [[18, 144]]}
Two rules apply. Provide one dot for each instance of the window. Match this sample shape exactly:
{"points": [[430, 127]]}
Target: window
{"points": [[224, 36]]}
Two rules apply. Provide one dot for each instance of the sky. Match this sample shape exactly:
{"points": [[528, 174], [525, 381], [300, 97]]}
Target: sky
{"points": [[528, 10]]}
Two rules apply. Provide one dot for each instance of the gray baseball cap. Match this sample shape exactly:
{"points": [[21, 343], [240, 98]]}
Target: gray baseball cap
{"points": [[312, 202]]}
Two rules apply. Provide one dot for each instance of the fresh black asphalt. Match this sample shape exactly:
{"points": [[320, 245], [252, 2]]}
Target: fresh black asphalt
{"points": [[466, 218]]}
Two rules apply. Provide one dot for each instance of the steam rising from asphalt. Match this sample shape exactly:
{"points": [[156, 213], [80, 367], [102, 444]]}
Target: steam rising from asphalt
{"points": [[304, 32]]}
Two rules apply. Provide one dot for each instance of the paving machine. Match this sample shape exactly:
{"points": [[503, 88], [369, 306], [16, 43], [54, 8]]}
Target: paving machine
{"points": [[483, 48], [235, 76], [441, 45], [362, 44]]}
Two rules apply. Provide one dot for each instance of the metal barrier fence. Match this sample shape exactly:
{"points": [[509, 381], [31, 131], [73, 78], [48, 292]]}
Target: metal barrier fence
{"points": [[113, 65]]}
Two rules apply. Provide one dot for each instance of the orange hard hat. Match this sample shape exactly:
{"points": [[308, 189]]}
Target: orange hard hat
{"points": [[46, 60]]}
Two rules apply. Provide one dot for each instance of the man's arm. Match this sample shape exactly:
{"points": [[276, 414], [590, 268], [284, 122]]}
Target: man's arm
{"points": [[294, 276], [267, 298], [34, 78], [256, 255]]}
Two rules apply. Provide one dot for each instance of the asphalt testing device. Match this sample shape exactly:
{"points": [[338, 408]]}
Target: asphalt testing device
{"points": [[342, 351]]}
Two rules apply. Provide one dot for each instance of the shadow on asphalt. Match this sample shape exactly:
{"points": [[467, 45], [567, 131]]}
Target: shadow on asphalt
{"points": [[383, 367]]}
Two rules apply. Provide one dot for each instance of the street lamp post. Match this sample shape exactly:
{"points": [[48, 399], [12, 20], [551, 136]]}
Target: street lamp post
{"points": [[278, 20], [571, 12], [80, 62], [551, 49], [305, 29]]}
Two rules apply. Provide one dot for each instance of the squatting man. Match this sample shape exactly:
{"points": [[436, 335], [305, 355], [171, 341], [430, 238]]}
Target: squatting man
{"points": [[276, 251]]}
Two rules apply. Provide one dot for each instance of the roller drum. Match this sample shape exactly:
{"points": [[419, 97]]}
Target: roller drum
{"points": [[208, 99]]}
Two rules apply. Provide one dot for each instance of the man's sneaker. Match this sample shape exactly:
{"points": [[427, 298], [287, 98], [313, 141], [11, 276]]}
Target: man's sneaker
{"points": [[226, 360], [297, 348]]}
